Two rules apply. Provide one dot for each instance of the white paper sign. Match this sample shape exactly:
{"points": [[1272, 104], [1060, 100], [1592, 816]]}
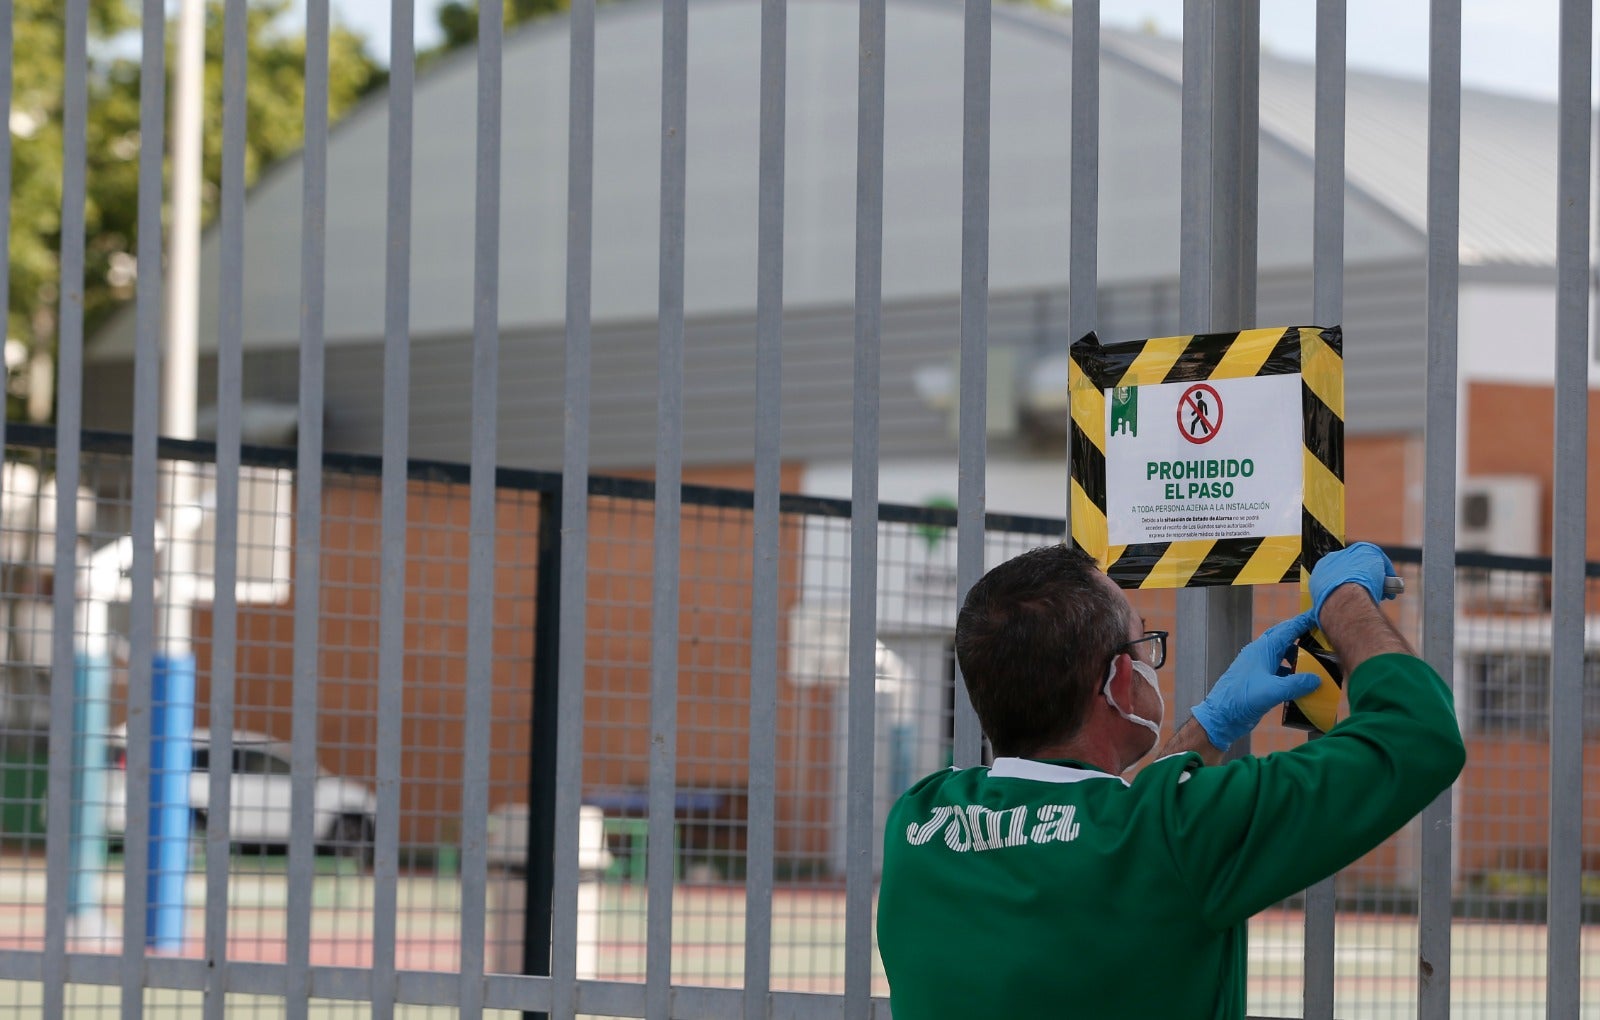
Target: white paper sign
{"points": [[1204, 460]]}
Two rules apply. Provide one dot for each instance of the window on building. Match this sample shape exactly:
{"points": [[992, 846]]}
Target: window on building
{"points": [[1509, 692]]}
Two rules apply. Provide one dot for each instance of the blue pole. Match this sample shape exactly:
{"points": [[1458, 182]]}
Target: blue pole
{"points": [[90, 719], [171, 758]]}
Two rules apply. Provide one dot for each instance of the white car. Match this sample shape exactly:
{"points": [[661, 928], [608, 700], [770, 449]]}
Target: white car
{"points": [[343, 810]]}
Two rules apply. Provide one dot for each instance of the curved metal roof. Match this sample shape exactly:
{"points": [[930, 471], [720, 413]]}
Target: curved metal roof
{"points": [[1508, 149], [1507, 187]]}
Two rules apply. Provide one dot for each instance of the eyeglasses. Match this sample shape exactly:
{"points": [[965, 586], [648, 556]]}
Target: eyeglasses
{"points": [[1155, 652]]}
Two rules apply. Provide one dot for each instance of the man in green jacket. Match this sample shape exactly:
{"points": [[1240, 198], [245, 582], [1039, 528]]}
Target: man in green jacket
{"points": [[1048, 886]]}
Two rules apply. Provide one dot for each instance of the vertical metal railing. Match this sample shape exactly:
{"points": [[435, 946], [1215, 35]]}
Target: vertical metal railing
{"points": [[1569, 499], [1083, 251], [1083, 258], [1327, 302], [394, 484], [766, 540], [662, 864], [545, 737], [1439, 471], [863, 628], [481, 551], [574, 592], [69, 423], [972, 444], [230, 400], [308, 516], [146, 483], [1217, 265]]}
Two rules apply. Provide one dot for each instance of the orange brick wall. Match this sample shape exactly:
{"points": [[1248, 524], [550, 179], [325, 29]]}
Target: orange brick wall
{"points": [[713, 652], [1379, 504], [1511, 431]]}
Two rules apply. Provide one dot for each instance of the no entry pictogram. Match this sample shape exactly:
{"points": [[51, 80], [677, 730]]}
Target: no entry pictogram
{"points": [[1199, 413]]}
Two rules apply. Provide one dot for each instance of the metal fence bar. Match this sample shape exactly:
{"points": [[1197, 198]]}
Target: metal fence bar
{"points": [[1083, 256], [225, 620], [661, 865], [972, 444], [761, 817], [574, 512], [146, 486], [859, 761], [69, 422], [613, 487], [396, 448], [1439, 473], [1083, 253], [1569, 498], [544, 734], [1327, 302], [1217, 266], [481, 546], [308, 517], [1196, 270]]}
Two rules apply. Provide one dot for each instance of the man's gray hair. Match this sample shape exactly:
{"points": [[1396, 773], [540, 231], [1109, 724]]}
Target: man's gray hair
{"points": [[1035, 638]]}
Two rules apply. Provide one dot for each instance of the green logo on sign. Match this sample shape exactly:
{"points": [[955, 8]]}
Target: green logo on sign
{"points": [[1125, 410]]}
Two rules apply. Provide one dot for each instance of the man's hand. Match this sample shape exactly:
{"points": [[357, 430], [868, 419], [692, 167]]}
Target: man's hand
{"points": [[1255, 683], [1360, 563]]}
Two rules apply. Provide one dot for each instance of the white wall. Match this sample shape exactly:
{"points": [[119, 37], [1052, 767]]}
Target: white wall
{"points": [[1508, 334]]}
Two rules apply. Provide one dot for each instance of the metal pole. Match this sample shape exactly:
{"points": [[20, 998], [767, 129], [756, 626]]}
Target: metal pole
{"points": [[571, 606], [539, 868], [183, 261], [1327, 259], [395, 485], [1568, 531], [482, 512], [972, 447], [308, 517], [173, 678], [766, 527], [1217, 267], [69, 424], [179, 368], [660, 856], [1083, 257], [225, 616], [861, 696], [1439, 472]]}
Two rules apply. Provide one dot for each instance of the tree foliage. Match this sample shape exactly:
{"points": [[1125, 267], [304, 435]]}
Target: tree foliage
{"points": [[458, 19], [275, 98]]}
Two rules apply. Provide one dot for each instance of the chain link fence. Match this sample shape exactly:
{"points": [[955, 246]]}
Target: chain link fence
{"points": [[1502, 679]]}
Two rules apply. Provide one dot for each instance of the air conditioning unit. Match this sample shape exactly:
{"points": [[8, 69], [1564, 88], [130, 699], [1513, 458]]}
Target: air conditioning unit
{"points": [[1499, 514]]}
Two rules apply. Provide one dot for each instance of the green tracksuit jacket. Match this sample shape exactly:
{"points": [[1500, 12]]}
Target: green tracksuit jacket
{"points": [[1053, 889]]}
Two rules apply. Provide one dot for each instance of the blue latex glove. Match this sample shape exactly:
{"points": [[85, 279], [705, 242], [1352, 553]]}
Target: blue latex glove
{"points": [[1255, 682], [1360, 563]]}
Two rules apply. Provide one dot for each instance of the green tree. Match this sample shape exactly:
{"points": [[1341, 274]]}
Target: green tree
{"points": [[275, 94], [458, 20]]}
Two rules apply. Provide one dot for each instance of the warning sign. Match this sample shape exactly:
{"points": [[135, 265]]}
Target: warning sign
{"points": [[1201, 481], [1215, 458]]}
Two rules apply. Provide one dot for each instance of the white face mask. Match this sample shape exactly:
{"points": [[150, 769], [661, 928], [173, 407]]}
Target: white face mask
{"points": [[1144, 670]]}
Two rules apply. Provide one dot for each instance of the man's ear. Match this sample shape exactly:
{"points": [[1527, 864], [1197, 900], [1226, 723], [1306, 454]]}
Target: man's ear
{"points": [[1122, 681]]}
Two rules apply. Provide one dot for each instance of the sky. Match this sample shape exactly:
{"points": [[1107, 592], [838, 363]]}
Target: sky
{"points": [[1507, 45]]}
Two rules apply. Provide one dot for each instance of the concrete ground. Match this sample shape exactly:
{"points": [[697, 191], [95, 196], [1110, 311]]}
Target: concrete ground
{"points": [[1498, 968]]}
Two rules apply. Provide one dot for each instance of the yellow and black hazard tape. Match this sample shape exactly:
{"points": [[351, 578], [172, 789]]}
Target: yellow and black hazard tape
{"points": [[1313, 353], [1316, 355]]}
